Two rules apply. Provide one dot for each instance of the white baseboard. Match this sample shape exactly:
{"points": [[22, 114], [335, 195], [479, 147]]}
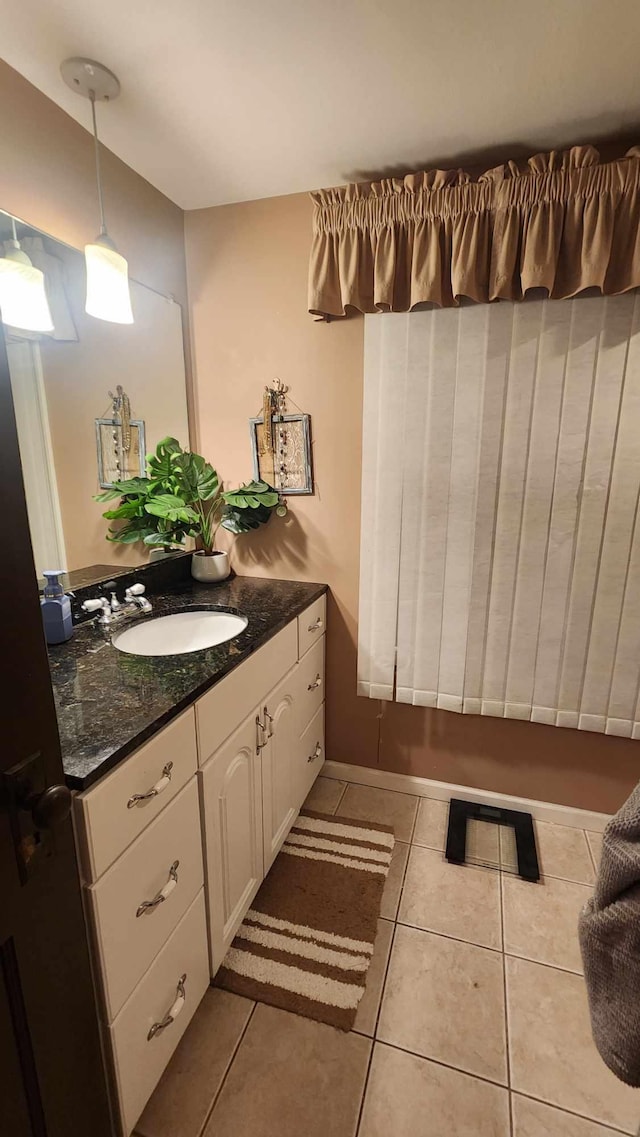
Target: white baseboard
{"points": [[426, 787]]}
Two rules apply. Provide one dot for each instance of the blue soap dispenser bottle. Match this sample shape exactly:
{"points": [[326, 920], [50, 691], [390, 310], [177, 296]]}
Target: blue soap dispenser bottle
{"points": [[56, 609]]}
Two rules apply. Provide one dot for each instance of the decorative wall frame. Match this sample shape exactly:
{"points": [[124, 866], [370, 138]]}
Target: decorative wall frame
{"points": [[115, 463], [286, 463]]}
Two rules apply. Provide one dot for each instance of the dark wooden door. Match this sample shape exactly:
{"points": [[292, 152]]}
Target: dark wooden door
{"points": [[51, 1074]]}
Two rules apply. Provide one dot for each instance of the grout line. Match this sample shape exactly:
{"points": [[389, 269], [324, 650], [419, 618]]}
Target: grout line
{"points": [[448, 936], [415, 821], [339, 801], [540, 963], [384, 981], [227, 1072], [605, 1126], [506, 1006], [375, 1028], [402, 882], [446, 1065], [365, 1086], [591, 854]]}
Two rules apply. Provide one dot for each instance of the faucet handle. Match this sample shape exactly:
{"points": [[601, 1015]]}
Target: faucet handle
{"points": [[92, 605], [135, 590]]}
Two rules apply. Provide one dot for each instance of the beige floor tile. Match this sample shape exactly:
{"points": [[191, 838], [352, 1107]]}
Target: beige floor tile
{"points": [[367, 803], [393, 883], [594, 841], [562, 852], [444, 999], [541, 920], [535, 1119], [292, 1076], [455, 900], [431, 823], [324, 795], [185, 1093], [553, 1056], [411, 1097], [368, 1007]]}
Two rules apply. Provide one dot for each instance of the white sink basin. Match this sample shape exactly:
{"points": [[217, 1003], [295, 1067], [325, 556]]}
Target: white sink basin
{"points": [[179, 633]]}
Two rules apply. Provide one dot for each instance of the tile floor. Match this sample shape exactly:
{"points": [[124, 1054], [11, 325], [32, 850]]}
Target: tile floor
{"points": [[474, 1022]]}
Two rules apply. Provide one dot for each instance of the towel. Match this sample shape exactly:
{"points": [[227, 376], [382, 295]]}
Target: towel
{"points": [[609, 930]]}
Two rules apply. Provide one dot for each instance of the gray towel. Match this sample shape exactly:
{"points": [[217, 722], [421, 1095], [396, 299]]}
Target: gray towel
{"points": [[609, 929]]}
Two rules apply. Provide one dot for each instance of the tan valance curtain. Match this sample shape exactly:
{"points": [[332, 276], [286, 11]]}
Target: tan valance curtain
{"points": [[567, 223]]}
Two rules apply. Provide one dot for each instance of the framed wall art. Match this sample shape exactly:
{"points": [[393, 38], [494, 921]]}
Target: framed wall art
{"points": [[282, 452]]}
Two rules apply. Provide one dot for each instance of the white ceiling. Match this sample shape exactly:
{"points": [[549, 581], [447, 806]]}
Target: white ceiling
{"points": [[229, 100]]}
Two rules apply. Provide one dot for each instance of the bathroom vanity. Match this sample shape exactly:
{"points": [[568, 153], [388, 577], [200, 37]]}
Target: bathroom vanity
{"points": [[189, 771]]}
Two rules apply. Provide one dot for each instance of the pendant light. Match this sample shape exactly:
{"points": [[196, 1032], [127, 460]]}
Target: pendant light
{"points": [[23, 300], [108, 296]]}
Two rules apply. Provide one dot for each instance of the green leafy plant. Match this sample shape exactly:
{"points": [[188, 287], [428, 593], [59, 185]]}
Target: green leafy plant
{"points": [[183, 496]]}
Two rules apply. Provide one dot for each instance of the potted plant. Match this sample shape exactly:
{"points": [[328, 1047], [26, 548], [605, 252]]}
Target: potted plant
{"points": [[183, 496]]}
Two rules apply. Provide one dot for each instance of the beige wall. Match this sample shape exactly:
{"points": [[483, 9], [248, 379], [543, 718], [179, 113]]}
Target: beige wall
{"points": [[247, 272]]}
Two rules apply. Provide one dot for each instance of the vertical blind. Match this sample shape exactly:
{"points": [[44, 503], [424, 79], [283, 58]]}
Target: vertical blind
{"points": [[500, 555]]}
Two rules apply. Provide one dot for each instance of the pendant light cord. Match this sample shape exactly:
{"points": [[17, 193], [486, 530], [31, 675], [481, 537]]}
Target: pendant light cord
{"points": [[103, 226]]}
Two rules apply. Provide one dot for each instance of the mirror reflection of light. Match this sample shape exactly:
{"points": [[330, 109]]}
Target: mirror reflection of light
{"points": [[23, 300]]}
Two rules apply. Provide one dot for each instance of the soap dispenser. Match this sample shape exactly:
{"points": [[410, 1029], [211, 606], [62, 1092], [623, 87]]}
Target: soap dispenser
{"points": [[56, 609]]}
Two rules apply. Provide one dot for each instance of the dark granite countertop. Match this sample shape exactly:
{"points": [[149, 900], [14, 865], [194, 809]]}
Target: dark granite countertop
{"points": [[109, 703]]}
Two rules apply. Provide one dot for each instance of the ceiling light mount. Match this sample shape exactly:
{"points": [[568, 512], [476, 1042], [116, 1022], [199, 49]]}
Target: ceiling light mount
{"points": [[91, 79], [108, 296]]}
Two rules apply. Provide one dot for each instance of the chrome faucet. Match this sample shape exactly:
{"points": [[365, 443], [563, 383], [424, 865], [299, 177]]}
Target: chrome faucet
{"points": [[111, 611]]}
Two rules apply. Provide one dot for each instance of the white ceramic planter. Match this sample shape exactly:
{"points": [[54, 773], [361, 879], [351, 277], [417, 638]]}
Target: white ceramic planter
{"points": [[209, 569]]}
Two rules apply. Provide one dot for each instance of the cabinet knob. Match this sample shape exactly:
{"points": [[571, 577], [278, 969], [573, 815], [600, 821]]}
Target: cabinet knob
{"points": [[316, 754], [315, 626], [316, 683]]}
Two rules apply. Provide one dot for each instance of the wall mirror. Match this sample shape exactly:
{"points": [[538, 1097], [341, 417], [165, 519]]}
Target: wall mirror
{"points": [[65, 389]]}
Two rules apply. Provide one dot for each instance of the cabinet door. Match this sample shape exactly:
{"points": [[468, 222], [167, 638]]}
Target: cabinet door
{"points": [[231, 801], [279, 804]]}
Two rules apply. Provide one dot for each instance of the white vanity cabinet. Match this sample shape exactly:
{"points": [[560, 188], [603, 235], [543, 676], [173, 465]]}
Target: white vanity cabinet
{"points": [[176, 841], [282, 702], [138, 835], [231, 801]]}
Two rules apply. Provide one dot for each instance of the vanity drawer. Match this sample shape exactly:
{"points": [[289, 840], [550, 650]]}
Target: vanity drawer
{"points": [[105, 821], [311, 625], [309, 684], [139, 1061], [310, 754], [167, 856], [221, 710]]}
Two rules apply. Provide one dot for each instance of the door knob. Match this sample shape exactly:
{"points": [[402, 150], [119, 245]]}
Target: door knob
{"points": [[50, 807]]}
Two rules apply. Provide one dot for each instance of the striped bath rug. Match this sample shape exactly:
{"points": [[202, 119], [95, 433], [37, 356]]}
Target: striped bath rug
{"points": [[306, 944]]}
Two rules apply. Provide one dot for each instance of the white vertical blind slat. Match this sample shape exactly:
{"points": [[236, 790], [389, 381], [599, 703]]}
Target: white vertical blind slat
{"points": [[500, 554], [435, 503]]}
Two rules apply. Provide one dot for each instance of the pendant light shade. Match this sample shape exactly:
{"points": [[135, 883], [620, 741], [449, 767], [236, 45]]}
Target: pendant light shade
{"points": [[23, 300], [108, 296]]}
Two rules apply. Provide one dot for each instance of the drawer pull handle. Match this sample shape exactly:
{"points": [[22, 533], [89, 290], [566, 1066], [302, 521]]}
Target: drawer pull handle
{"points": [[173, 1011], [270, 718], [159, 787], [316, 754], [317, 683], [150, 905], [314, 627]]}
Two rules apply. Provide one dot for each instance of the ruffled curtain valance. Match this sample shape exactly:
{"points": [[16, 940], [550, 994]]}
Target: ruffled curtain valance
{"points": [[565, 224]]}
